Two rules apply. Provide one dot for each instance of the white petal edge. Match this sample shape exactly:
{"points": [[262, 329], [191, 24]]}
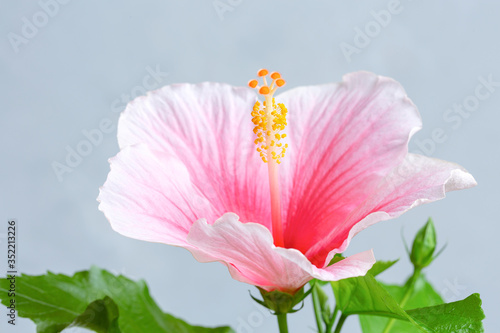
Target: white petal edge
{"points": [[248, 251]]}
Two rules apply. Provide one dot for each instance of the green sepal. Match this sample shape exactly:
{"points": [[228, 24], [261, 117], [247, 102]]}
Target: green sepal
{"points": [[280, 302]]}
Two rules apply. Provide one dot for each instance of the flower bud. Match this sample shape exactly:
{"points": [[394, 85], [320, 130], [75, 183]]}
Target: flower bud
{"points": [[424, 245]]}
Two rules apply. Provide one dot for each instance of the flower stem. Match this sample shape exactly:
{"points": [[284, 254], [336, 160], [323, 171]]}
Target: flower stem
{"points": [[410, 285], [332, 320], [282, 323], [342, 319], [317, 308]]}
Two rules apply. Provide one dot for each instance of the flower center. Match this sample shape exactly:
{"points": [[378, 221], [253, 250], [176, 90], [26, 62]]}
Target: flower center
{"points": [[269, 123]]}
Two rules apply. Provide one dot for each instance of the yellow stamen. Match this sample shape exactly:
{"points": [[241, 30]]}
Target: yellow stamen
{"points": [[270, 121], [269, 125]]}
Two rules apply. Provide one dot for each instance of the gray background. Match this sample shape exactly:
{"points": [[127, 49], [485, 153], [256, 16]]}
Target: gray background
{"points": [[71, 74]]}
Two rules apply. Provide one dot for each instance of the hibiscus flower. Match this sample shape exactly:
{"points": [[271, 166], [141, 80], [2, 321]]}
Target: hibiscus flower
{"points": [[273, 190]]}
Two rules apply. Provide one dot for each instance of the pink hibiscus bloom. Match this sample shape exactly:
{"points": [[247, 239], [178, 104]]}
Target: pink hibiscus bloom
{"points": [[188, 174]]}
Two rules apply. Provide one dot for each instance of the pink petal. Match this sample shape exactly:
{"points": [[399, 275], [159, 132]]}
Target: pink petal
{"points": [[343, 139], [149, 196], [249, 253], [208, 128], [418, 180]]}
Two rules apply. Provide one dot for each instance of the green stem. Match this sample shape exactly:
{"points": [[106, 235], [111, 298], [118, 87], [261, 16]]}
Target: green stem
{"points": [[282, 323], [342, 319], [332, 320], [317, 308], [410, 285]]}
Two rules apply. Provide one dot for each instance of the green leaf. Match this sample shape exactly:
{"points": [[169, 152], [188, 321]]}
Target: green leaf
{"points": [[423, 295], [462, 316], [381, 266], [100, 316], [56, 301], [365, 296]]}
